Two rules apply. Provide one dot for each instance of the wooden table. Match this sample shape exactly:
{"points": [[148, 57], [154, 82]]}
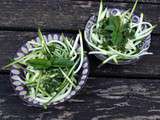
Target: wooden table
{"points": [[130, 92]]}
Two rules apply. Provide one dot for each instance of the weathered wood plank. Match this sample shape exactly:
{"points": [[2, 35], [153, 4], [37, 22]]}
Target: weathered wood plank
{"points": [[149, 66], [128, 1], [140, 1], [102, 98], [66, 14]]}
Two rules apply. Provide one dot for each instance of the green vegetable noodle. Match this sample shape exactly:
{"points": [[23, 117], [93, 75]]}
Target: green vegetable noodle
{"points": [[51, 68]]}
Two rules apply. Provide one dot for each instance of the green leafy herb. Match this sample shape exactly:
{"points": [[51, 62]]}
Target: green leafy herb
{"points": [[39, 63]]}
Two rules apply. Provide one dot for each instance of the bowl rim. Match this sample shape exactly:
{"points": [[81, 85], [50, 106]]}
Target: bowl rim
{"points": [[82, 79]]}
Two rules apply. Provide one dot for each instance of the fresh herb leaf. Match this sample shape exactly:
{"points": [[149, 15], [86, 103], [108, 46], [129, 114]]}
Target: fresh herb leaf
{"points": [[61, 62], [39, 63]]}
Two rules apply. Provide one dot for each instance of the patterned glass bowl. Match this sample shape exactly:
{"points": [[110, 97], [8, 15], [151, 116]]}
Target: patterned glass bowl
{"points": [[114, 11], [17, 75]]}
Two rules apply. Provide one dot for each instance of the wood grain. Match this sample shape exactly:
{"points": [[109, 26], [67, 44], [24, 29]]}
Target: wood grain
{"points": [[128, 1], [63, 15], [129, 92], [101, 99]]}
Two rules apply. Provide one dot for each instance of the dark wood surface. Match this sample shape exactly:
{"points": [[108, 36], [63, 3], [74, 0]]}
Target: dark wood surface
{"points": [[129, 92], [63, 14]]}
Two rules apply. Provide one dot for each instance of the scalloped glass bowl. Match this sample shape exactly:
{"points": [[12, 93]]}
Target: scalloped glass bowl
{"points": [[114, 11], [17, 75]]}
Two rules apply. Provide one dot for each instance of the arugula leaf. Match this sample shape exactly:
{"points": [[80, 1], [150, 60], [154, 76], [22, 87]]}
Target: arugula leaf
{"points": [[61, 62], [38, 63], [117, 35], [53, 62]]}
